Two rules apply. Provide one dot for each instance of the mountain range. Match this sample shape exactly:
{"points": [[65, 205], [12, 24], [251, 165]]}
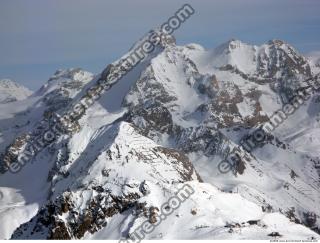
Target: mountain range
{"points": [[166, 124]]}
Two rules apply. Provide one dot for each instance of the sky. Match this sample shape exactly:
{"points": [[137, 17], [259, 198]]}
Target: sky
{"points": [[37, 37]]}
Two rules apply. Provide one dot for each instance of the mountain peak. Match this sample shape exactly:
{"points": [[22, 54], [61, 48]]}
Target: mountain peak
{"points": [[231, 45], [276, 42], [70, 73], [11, 91], [71, 78], [8, 83], [234, 41]]}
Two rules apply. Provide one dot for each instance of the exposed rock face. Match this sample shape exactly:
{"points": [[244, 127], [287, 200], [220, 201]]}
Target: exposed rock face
{"points": [[13, 150]]}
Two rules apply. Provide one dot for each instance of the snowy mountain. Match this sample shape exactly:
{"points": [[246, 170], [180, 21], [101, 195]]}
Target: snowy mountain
{"points": [[11, 91], [165, 126]]}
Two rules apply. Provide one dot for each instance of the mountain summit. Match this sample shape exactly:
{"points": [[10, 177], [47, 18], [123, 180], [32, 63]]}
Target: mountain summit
{"points": [[11, 91]]}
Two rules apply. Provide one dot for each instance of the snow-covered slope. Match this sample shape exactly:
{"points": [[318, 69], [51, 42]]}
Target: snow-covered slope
{"points": [[163, 126], [11, 91], [314, 58], [126, 178]]}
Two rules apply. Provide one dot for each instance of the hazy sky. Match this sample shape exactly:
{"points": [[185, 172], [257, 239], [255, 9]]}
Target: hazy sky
{"points": [[38, 37]]}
